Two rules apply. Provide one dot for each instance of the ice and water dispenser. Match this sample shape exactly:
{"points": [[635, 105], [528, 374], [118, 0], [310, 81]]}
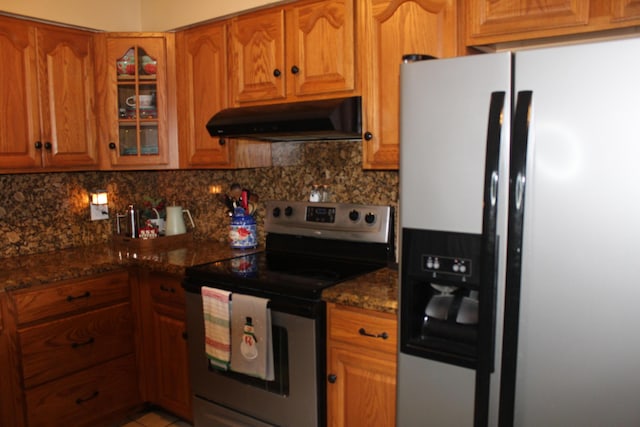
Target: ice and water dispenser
{"points": [[440, 293]]}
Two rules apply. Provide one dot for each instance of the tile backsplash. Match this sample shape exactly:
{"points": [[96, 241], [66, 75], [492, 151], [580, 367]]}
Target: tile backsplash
{"points": [[42, 212]]}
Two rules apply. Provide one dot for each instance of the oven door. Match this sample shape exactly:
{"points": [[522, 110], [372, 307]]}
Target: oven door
{"points": [[294, 398]]}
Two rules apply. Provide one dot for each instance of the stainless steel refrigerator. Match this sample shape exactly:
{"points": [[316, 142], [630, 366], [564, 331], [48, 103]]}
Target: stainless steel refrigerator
{"points": [[520, 238]]}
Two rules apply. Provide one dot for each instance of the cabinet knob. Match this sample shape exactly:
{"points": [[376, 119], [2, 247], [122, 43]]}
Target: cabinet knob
{"points": [[221, 141], [276, 73], [112, 145], [47, 145], [295, 69], [368, 136], [185, 336], [332, 378], [38, 145]]}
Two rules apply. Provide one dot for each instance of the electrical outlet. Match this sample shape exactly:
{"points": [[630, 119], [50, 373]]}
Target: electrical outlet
{"points": [[99, 212]]}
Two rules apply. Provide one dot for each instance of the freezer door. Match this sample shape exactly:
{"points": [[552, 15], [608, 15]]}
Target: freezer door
{"points": [[445, 121], [572, 349]]}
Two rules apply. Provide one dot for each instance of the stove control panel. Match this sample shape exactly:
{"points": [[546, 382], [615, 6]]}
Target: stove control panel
{"points": [[343, 221]]}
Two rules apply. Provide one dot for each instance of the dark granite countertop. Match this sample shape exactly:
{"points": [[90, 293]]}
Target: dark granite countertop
{"points": [[375, 291]]}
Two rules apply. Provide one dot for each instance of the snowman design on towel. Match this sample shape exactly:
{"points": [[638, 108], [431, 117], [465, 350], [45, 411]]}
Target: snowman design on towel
{"points": [[248, 348]]}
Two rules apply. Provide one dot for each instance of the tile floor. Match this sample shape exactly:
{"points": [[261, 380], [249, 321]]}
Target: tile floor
{"points": [[152, 418]]}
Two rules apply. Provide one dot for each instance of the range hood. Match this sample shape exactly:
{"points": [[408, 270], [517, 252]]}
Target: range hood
{"points": [[330, 119]]}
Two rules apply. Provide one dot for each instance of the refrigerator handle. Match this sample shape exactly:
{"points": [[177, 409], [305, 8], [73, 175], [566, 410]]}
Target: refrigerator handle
{"points": [[489, 267], [515, 228]]}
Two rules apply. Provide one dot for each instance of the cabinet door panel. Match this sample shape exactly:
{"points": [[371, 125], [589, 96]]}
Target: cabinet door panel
{"points": [[67, 94], [257, 57], [202, 92], [364, 392], [322, 47], [491, 18], [20, 118], [389, 30]]}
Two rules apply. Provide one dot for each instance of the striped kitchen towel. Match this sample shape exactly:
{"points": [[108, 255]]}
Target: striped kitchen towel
{"points": [[216, 305]]}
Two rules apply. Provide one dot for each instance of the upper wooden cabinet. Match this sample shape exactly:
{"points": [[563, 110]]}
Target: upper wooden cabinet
{"points": [[389, 29], [201, 57], [48, 89], [491, 22], [303, 50], [136, 101]]}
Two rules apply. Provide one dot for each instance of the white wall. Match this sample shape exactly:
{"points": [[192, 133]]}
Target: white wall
{"points": [[128, 15]]}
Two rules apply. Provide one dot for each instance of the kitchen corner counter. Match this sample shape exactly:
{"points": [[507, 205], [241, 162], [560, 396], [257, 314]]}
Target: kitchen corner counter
{"points": [[376, 291], [74, 263]]}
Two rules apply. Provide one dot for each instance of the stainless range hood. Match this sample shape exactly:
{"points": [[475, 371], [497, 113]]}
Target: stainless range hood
{"points": [[330, 119]]}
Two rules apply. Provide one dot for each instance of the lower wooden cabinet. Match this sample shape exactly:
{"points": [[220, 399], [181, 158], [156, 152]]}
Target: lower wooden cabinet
{"points": [[74, 352], [168, 373], [361, 367]]}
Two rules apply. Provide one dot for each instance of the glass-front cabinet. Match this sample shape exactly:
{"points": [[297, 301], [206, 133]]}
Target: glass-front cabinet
{"points": [[137, 102]]}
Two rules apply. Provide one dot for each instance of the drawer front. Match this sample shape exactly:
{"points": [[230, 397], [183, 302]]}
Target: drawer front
{"points": [[167, 289], [61, 347], [86, 398], [365, 328], [70, 297]]}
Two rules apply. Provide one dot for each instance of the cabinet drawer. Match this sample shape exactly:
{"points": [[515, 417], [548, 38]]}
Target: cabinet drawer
{"points": [[167, 289], [86, 398], [82, 294], [365, 328], [61, 347]]}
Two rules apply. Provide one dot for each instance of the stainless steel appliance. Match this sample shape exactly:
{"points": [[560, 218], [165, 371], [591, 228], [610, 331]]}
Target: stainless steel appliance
{"points": [[518, 294], [309, 246]]}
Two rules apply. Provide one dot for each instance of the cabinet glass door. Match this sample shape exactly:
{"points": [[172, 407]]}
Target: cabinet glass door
{"points": [[137, 103]]}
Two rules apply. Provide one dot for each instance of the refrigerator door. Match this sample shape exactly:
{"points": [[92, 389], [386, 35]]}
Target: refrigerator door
{"points": [[572, 348], [445, 108]]}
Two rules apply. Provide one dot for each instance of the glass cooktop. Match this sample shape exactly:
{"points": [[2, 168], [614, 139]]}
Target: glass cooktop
{"points": [[275, 273]]}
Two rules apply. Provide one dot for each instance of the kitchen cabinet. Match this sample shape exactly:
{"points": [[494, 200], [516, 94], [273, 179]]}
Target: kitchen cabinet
{"points": [[387, 30], [76, 347], [168, 377], [361, 367], [201, 55], [137, 99], [47, 87], [11, 401], [492, 22], [305, 50]]}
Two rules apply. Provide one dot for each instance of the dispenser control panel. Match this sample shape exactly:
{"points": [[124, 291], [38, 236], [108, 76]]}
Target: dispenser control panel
{"points": [[447, 265]]}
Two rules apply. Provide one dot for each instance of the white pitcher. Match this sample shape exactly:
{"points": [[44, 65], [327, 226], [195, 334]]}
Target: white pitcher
{"points": [[175, 220]]}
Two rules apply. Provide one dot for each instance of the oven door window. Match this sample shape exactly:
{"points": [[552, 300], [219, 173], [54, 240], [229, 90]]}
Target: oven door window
{"points": [[280, 384]]}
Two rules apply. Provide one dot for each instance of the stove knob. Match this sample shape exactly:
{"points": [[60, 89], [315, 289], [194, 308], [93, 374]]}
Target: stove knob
{"points": [[369, 218], [276, 212], [354, 215], [288, 211]]}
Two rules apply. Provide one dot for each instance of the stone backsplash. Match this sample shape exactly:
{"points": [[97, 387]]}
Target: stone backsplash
{"points": [[42, 212]]}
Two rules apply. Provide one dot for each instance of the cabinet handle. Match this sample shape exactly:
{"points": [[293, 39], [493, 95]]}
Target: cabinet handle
{"points": [[82, 344], [112, 145], [276, 73], [38, 145], [332, 378], [221, 141], [368, 136], [363, 332], [80, 401], [165, 289], [185, 336], [72, 298], [295, 69]]}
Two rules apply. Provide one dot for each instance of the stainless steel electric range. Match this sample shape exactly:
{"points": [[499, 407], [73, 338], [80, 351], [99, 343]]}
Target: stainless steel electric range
{"points": [[309, 247]]}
